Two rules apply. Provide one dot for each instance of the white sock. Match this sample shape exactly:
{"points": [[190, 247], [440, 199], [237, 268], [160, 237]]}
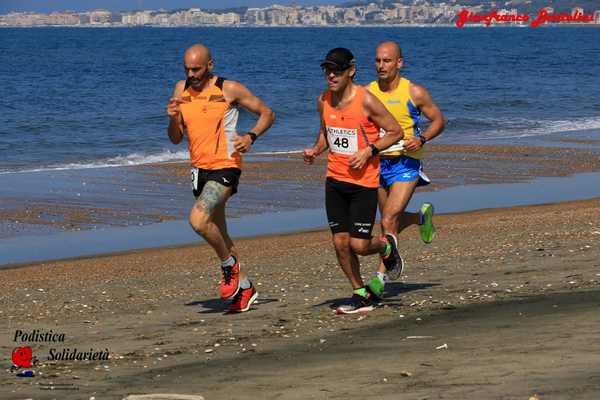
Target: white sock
{"points": [[382, 276], [230, 262], [245, 283]]}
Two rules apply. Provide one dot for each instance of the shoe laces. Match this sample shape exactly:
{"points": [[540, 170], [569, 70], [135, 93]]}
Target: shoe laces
{"points": [[227, 273]]}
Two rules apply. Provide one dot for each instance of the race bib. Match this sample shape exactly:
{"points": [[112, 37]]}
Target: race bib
{"points": [[398, 146], [342, 140]]}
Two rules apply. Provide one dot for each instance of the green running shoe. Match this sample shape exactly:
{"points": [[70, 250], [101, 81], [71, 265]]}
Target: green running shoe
{"points": [[375, 287], [426, 228]]}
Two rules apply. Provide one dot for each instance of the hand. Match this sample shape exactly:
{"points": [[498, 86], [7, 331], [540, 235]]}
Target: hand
{"points": [[173, 109], [412, 144], [242, 144], [360, 158], [309, 156]]}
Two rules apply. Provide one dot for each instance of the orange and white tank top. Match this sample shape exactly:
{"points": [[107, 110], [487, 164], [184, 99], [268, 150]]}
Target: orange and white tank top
{"points": [[348, 130], [211, 127]]}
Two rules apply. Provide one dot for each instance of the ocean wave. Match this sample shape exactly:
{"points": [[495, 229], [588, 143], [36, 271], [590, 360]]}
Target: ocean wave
{"points": [[519, 127], [552, 127], [119, 161], [276, 153], [130, 160]]}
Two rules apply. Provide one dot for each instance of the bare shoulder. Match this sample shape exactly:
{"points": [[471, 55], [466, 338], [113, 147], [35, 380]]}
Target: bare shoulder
{"points": [[370, 101], [322, 96], [179, 88], [231, 87], [320, 100], [418, 92]]}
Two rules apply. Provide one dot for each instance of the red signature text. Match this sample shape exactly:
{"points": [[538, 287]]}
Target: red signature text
{"points": [[466, 16]]}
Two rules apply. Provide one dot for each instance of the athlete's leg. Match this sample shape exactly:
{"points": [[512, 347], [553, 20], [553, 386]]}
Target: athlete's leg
{"points": [[399, 195], [365, 247], [202, 217], [392, 203], [221, 222], [347, 259]]}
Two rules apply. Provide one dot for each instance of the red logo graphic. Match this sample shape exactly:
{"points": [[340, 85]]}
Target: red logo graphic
{"points": [[544, 16], [21, 357]]}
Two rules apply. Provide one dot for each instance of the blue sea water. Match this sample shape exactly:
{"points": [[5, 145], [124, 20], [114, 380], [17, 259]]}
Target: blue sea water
{"points": [[78, 98]]}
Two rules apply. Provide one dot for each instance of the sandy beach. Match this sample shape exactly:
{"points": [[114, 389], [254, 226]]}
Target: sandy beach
{"points": [[502, 305]]}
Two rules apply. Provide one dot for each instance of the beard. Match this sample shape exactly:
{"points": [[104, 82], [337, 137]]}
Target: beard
{"points": [[198, 83]]}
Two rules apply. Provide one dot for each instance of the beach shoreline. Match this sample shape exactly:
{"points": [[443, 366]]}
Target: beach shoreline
{"points": [[510, 293], [83, 200]]}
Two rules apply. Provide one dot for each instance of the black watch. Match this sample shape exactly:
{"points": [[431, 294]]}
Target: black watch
{"points": [[374, 149], [423, 140], [252, 135]]}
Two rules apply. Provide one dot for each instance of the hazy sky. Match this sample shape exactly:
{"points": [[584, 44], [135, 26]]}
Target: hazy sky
{"points": [[122, 5]]}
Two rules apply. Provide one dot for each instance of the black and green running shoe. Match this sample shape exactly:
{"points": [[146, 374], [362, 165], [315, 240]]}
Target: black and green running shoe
{"points": [[356, 304], [426, 228], [394, 264]]}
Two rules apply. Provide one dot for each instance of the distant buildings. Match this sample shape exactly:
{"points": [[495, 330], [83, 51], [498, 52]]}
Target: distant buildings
{"points": [[407, 12]]}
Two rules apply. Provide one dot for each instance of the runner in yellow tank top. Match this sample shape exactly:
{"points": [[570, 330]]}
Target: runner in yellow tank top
{"points": [[401, 169], [204, 108]]}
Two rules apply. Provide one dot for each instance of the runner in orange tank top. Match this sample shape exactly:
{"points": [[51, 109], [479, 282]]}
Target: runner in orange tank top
{"points": [[204, 108], [350, 121]]}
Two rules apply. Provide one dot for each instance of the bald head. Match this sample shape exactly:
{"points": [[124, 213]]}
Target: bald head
{"points": [[388, 62], [391, 48], [198, 53], [198, 65]]}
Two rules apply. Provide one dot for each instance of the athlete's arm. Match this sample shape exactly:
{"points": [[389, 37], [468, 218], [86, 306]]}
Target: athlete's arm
{"points": [[375, 110], [321, 144], [176, 125], [423, 101], [235, 92]]}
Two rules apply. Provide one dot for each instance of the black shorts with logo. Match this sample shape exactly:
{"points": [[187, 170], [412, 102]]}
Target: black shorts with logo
{"points": [[350, 208], [229, 177]]}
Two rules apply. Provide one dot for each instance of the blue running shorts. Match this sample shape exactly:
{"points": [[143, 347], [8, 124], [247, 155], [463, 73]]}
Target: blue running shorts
{"points": [[401, 169]]}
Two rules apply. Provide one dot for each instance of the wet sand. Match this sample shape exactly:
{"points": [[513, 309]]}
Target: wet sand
{"points": [[502, 305], [154, 193]]}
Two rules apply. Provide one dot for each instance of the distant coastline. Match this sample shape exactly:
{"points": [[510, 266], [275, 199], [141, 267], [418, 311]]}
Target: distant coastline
{"points": [[503, 26], [415, 13]]}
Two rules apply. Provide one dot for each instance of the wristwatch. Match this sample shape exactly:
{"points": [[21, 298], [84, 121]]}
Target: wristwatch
{"points": [[252, 135], [423, 140], [374, 149]]}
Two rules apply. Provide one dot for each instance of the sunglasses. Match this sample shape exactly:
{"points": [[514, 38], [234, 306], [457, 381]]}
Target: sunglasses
{"points": [[337, 71]]}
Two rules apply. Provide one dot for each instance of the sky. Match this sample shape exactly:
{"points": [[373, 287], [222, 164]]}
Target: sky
{"points": [[46, 6]]}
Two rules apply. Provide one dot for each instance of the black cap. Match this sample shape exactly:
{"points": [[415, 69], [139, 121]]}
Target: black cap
{"points": [[339, 58]]}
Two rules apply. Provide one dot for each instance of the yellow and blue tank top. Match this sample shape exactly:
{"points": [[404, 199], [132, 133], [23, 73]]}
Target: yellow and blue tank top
{"points": [[403, 108]]}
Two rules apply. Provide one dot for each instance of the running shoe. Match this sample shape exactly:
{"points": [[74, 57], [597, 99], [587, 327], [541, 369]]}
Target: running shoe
{"points": [[426, 228], [375, 289], [357, 304], [230, 283], [243, 300], [394, 264]]}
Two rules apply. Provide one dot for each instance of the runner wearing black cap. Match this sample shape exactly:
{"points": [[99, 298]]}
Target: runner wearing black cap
{"points": [[351, 118]]}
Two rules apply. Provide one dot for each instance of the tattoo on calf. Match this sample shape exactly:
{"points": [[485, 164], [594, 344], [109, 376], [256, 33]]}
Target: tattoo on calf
{"points": [[212, 194]]}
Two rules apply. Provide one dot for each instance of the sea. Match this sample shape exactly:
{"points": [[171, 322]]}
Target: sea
{"points": [[80, 105], [74, 98]]}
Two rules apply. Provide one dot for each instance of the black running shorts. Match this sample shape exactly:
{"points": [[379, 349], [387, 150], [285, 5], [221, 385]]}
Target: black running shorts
{"points": [[350, 208], [229, 177]]}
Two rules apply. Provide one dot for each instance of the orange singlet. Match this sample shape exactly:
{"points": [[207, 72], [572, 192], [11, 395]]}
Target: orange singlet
{"points": [[348, 130], [211, 128]]}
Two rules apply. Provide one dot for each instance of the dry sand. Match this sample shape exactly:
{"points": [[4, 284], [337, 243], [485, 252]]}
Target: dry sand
{"points": [[502, 305]]}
